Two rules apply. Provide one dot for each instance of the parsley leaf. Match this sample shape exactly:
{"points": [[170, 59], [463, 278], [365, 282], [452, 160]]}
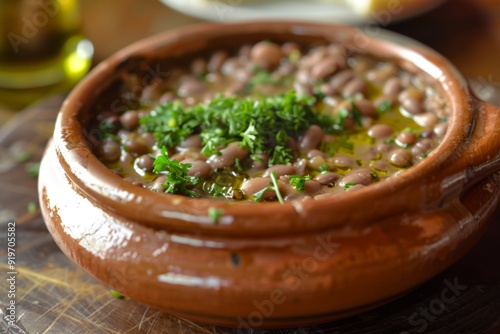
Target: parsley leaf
{"points": [[177, 181], [215, 214], [298, 181], [274, 187]]}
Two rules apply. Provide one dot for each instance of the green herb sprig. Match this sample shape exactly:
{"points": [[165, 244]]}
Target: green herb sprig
{"points": [[177, 180]]}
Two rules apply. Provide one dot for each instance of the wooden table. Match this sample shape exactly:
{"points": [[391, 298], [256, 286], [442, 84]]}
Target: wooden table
{"points": [[54, 296]]}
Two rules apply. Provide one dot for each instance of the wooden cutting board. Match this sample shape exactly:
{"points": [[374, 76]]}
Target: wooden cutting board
{"points": [[53, 295]]}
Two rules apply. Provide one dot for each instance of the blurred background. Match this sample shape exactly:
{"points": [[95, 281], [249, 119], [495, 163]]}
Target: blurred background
{"points": [[47, 46]]}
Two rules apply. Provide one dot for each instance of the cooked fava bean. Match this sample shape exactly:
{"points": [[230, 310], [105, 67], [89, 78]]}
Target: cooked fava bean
{"points": [[130, 119], [343, 161], [145, 162], [191, 141], [312, 137], [280, 170], [406, 138], [392, 87], [136, 147], [355, 86], [109, 150], [440, 129], [325, 68], [232, 124], [340, 79], [358, 176], [228, 156], [380, 131], [366, 108], [312, 187], [412, 106], [253, 186], [266, 55], [216, 61], [198, 168], [426, 119], [400, 158], [327, 178]]}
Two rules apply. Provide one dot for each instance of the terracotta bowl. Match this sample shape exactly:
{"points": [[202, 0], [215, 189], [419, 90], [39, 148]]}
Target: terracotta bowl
{"points": [[270, 264]]}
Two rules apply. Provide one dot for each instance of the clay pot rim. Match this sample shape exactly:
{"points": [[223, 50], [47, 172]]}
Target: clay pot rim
{"points": [[179, 212]]}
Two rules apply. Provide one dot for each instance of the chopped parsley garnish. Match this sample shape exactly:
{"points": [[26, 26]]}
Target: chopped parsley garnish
{"points": [[324, 168], [24, 156], [33, 169], [214, 214], [274, 187], [384, 107], [116, 294], [298, 181], [177, 181], [349, 185], [31, 207], [356, 114], [261, 126]]}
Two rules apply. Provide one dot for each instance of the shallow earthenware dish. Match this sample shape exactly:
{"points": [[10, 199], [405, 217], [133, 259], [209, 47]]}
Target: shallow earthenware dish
{"points": [[270, 264]]}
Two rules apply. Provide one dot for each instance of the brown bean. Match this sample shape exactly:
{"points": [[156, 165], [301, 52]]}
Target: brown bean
{"points": [[228, 156], [382, 72], [327, 89], [145, 162], [343, 161], [157, 185], [230, 66], [266, 55], [245, 51], [400, 158], [340, 79], [300, 166], [286, 69], [261, 160], [406, 138], [380, 165], [198, 168], [191, 141], [199, 66], [130, 119], [109, 150], [148, 138], [191, 87], [252, 186], [280, 170], [325, 68], [411, 93], [358, 176], [384, 147], [427, 119], [168, 96], [312, 187], [327, 179], [136, 147], [441, 129], [366, 108], [311, 138], [355, 86], [289, 47], [315, 153], [412, 106], [392, 87], [316, 162], [302, 89], [216, 61]]}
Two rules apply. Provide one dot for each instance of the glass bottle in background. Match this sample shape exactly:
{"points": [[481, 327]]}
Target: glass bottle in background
{"points": [[41, 49]]}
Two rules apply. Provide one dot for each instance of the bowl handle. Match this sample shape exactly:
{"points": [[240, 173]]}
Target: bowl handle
{"points": [[479, 155]]}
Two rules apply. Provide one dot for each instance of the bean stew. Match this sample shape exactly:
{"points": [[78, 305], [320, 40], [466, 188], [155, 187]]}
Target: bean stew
{"points": [[275, 122]]}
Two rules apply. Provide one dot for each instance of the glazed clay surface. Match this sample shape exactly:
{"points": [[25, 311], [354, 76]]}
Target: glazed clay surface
{"points": [[306, 262]]}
